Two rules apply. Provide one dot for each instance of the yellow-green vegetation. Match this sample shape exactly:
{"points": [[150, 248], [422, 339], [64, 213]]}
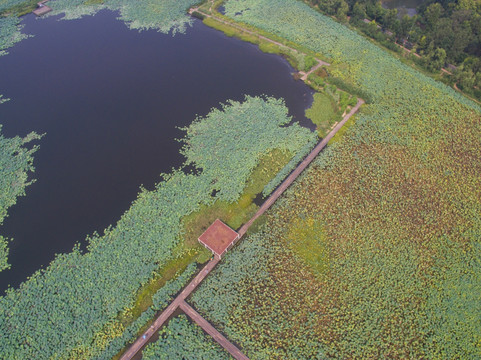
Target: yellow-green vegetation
{"points": [[93, 2], [17, 7], [392, 208], [143, 298], [306, 239]]}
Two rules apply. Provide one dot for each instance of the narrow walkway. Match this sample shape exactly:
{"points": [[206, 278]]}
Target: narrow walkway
{"points": [[314, 68], [179, 301], [243, 29], [209, 329], [145, 337], [299, 169]]}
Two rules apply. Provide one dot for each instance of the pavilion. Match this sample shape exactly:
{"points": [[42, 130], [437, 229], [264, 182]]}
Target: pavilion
{"points": [[218, 238]]}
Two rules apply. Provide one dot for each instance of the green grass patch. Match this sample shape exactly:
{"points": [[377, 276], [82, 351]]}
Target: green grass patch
{"points": [[269, 165], [307, 240], [235, 214], [309, 62], [93, 2], [175, 266], [323, 113]]}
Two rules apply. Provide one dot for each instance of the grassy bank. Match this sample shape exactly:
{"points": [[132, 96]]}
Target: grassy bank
{"points": [[297, 60], [334, 94]]}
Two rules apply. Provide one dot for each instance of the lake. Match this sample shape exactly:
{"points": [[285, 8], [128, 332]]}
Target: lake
{"points": [[110, 100]]}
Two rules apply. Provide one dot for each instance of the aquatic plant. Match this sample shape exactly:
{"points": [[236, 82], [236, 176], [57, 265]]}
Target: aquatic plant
{"points": [[164, 16], [161, 15], [16, 162], [182, 339], [239, 154], [10, 33], [391, 211], [69, 309]]}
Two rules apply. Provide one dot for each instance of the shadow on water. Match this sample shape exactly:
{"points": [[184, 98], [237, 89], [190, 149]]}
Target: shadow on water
{"points": [[110, 101]]}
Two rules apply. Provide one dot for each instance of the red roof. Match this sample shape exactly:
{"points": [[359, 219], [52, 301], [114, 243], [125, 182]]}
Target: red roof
{"points": [[218, 237]]}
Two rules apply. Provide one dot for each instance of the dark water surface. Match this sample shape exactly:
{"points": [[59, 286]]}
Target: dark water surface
{"points": [[109, 100], [404, 7]]}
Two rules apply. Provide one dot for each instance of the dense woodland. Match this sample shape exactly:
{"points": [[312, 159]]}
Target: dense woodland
{"points": [[445, 34]]}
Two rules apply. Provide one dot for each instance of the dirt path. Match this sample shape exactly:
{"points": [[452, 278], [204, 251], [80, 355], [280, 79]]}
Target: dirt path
{"points": [[209, 329], [145, 337], [304, 75]]}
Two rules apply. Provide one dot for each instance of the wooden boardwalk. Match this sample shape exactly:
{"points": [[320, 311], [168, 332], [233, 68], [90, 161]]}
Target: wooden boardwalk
{"points": [[145, 337], [179, 301], [209, 329], [299, 169]]}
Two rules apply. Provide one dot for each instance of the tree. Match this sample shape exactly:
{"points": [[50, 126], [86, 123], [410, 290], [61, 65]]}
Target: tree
{"points": [[374, 10], [432, 14], [435, 58], [406, 25], [342, 10], [390, 19], [359, 11]]}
